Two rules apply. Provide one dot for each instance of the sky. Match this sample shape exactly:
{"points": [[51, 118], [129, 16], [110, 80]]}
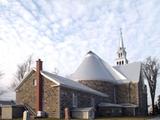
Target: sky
{"points": [[61, 32]]}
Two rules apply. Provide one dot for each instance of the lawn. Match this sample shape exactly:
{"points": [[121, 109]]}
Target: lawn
{"points": [[129, 118], [111, 118]]}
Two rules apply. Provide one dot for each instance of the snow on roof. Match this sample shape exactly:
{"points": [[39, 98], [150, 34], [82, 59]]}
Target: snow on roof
{"points": [[70, 83], [131, 71], [94, 68]]}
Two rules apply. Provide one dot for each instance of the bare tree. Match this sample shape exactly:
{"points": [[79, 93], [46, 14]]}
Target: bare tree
{"points": [[151, 67], [56, 71], [22, 69], [1, 91], [158, 104], [1, 74]]}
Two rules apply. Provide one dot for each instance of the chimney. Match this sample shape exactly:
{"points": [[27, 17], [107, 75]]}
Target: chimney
{"points": [[38, 90]]}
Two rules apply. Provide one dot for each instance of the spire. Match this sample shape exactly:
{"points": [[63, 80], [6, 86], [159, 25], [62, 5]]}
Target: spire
{"points": [[121, 53], [121, 45]]}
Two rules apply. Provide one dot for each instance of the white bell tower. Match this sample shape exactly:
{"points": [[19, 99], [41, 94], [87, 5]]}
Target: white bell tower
{"points": [[121, 53]]}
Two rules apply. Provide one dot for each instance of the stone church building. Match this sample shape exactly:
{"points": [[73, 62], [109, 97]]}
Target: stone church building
{"points": [[110, 90]]}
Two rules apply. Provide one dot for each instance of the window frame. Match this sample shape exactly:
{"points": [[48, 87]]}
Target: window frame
{"points": [[74, 100], [34, 82]]}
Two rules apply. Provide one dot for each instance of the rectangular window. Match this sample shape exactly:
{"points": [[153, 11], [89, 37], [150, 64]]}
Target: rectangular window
{"points": [[34, 82], [115, 101], [92, 102], [74, 100]]}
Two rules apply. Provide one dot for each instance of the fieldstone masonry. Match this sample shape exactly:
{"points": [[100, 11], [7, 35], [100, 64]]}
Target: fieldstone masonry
{"points": [[56, 97], [102, 86], [84, 99], [50, 98], [127, 93], [50, 95], [26, 92]]}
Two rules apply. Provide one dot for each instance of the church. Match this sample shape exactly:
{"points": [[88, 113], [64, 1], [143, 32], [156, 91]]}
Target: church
{"points": [[94, 86]]}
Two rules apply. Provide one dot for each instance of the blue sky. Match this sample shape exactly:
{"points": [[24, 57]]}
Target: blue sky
{"points": [[60, 32]]}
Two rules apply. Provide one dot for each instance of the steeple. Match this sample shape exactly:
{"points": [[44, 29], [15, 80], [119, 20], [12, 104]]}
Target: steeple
{"points": [[121, 39], [121, 53]]}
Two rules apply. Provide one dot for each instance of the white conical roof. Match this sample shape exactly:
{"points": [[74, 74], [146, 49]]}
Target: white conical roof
{"points": [[94, 68]]}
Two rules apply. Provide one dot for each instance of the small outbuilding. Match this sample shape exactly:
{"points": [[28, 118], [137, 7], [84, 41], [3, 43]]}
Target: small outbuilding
{"points": [[11, 111], [83, 113]]}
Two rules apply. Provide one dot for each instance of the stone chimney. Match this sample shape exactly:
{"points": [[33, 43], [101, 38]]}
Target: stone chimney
{"points": [[38, 91]]}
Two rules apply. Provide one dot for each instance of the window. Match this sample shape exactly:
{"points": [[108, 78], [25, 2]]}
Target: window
{"points": [[74, 100], [115, 95], [34, 82], [92, 102]]}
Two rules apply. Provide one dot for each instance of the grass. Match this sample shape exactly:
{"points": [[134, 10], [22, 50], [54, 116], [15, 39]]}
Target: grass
{"points": [[110, 118], [125, 118]]}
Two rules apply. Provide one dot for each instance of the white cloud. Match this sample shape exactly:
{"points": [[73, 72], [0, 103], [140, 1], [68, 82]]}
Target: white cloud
{"points": [[3, 2], [62, 31]]}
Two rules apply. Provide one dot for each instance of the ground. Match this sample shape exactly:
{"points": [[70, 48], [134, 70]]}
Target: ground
{"points": [[115, 118]]}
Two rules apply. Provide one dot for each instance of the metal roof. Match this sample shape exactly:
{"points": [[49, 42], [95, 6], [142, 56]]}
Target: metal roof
{"points": [[130, 71], [83, 109], [94, 68], [129, 105], [124, 105], [70, 83], [109, 105], [7, 102]]}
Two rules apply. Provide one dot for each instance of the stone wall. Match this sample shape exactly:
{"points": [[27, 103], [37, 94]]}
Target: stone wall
{"points": [[50, 95], [109, 111], [83, 99], [50, 98], [26, 92], [143, 107], [127, 93], [134, 97], [102, 86], [122, 93]]}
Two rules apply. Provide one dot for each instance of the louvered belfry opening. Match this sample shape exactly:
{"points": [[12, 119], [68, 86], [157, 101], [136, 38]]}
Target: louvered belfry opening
{"points": [[38, 91]]}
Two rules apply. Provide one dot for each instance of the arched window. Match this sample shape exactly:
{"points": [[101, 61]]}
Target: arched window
{"points": [[122, 62]]}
